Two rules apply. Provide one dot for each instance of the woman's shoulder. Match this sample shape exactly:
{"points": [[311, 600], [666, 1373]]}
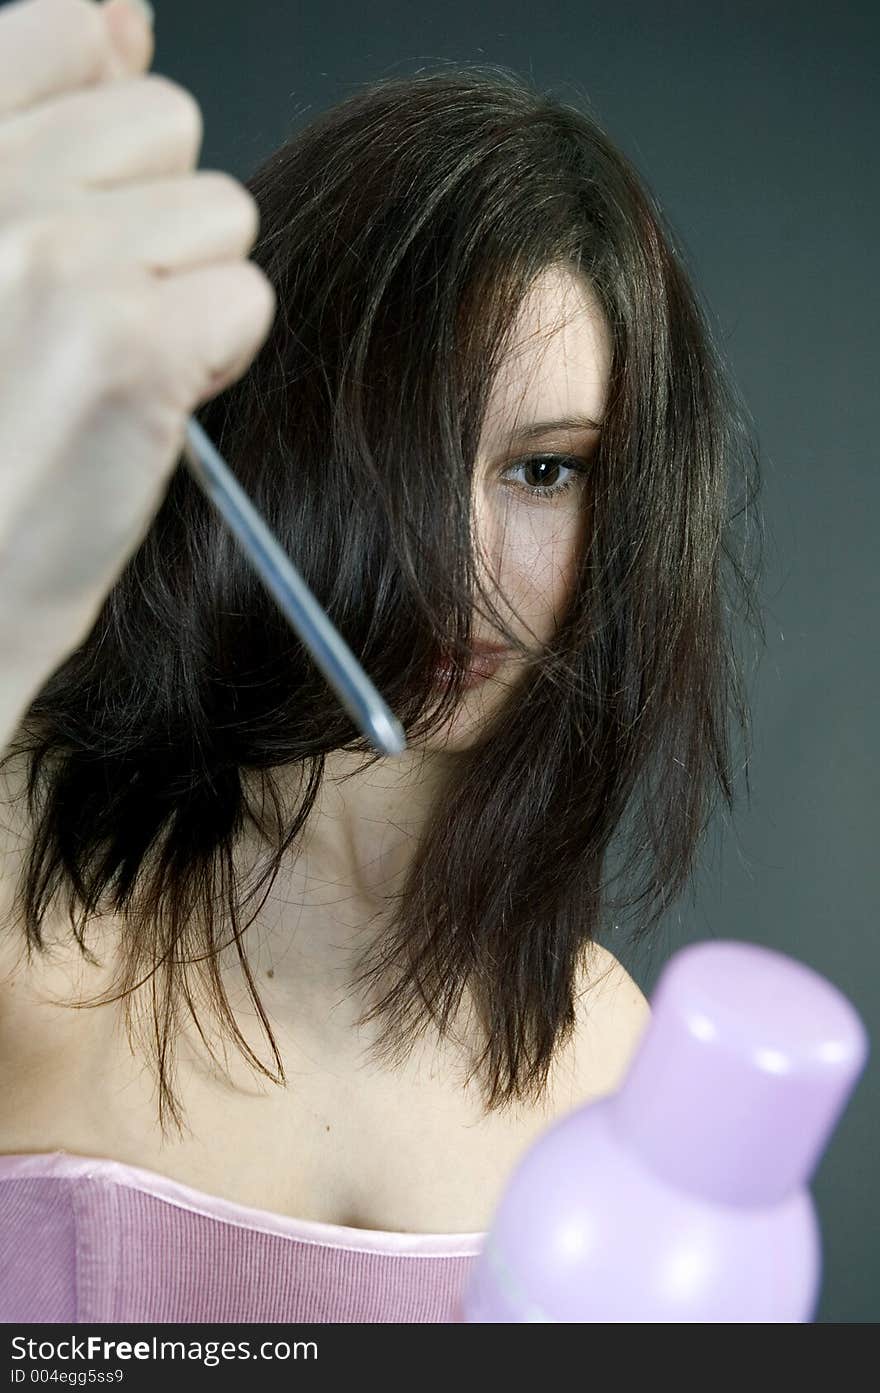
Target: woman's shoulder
{"points": [[605, 975], [612, 1013]]}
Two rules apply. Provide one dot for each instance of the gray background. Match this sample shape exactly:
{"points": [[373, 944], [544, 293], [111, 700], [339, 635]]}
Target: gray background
{"points": [[755, 126]]}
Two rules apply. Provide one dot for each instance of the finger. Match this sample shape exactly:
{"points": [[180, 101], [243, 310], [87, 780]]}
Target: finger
{"points": [[165, 226], [131, 32], [48, 47], [142, 128], [213, 320]]}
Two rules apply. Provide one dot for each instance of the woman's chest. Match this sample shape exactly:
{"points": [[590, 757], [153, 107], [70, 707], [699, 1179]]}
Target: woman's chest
{"points": [[339, 1142]]}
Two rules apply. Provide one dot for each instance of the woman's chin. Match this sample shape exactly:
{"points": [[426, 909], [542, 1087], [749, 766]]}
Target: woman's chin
{"points": [[466, 722]]}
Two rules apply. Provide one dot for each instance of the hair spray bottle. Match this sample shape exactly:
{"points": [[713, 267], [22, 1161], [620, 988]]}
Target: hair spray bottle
{"points": [[683, 1195]]}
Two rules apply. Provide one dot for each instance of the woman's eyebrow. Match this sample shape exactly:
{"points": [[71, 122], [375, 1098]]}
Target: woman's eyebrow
{"points": [[539, 428]]}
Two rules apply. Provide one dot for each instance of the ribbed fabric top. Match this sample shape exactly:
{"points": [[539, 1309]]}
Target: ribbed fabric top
{"points": [[97, 1240]]}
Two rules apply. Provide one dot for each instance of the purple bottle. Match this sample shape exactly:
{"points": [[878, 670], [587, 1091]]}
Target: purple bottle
{"points": [[683, 1196]]}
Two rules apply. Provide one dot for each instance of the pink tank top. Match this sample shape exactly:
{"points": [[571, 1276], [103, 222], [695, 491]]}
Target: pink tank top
{"points": [[97, 1240]]}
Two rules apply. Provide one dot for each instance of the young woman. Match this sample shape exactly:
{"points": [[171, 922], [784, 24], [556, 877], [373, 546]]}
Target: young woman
{"points": [[491, 429]]}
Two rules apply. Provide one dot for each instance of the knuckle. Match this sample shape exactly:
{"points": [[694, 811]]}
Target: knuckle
{"points": [[104, 326], [32, 252], [17, 253], [43, 249], [111, 333]]}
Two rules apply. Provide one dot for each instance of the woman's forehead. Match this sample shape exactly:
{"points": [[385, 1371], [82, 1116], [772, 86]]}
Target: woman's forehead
{"points": [[558, 364]]}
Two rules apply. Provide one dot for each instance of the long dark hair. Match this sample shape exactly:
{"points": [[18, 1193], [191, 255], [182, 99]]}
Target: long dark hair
{"points": [[402, 229]]}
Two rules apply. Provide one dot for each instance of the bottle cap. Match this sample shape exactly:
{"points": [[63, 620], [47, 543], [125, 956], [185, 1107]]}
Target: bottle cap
{"points": [[741, 1074]]}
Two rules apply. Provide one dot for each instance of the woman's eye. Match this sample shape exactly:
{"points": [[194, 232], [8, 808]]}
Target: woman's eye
{"points": [[541, 474]]}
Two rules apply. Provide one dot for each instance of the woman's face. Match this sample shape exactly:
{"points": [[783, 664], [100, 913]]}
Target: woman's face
{"points": [[531, 503]]}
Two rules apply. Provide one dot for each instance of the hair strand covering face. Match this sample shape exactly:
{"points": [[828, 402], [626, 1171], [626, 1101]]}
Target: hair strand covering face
{"points": [[402, 229]]}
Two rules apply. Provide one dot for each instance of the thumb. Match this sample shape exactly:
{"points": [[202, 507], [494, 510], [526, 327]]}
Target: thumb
{"points": [[130, 25]]}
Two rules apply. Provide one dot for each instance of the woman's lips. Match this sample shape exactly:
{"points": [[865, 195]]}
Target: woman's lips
{"points": [[480, 666]]}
